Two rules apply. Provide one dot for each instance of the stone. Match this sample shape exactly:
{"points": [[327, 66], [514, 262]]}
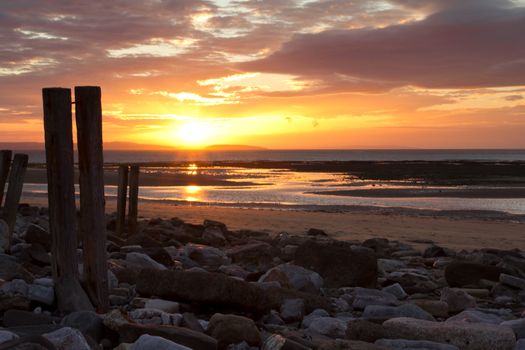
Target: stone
{"points": [[8, 302], [518, 326], [233, 329], [295, 277], [328, 326], [163, 305], [312, 316], [234, 271], [190, 321], [11, 269], [340, 266], [466, 336], [366, 296], [459, 273], [395, 344], [386, 266], [381, 313], [143, 261], [475, 316], [67, 339], [457, 300], [340, 344], [205, 255], [41, 294], [4, 236], [256, 256], [6, 336], [38, 253], [88, 322], [364, 330], [213, 236], [316, 232], [292, 310], [36, 234], [520, 344], [512, 281], [148, 342], [396, 290], [436, 308], [15, 287], [16, 318], [71, 296], [155, 317]]}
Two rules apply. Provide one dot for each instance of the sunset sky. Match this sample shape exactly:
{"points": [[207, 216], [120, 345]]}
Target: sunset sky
{"points": [[274, 73]]}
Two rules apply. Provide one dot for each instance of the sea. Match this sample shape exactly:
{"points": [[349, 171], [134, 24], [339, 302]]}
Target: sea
{"points": [[283, 189]]}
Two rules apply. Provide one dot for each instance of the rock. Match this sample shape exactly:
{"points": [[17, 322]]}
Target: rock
{"points": [[11, 269], [475, 316], [457, 299], [213, 236], [41, 294], [466, 336], [518, 326], [159, 304], [4, 236], [68, 339], [6, 336], [340, 344], [15, 287], [381, 313], [16, 318], [8, 302], [88, 322], [38, 253], [512, 281], [233, 329], [312, 316], [190, 321], [459, 274], [148, 342], [206, 256], [292, 310], [36, 234], [395, 344], [257, 256], [295, 277], [339, 266], [234, 271], [328, 326], [316, 232], [71, 296], [435, 251], [143, 261], [520, 344], [365, 296], [155, 317], [386, 266], [436, 308], [364, 330], [396, 290], [226, 292]]}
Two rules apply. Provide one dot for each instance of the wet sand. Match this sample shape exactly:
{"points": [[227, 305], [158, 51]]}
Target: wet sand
{"points": [[516, 192], [453, 233]]}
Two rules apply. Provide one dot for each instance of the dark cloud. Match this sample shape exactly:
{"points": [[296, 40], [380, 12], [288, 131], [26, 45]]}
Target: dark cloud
{"points": [[476, 46]]}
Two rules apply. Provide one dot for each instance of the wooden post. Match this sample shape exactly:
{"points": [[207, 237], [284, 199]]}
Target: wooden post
{"points": [[60, 182], [14, 192], [123, 172], [88, 113], [5, 164], [133, 198]]}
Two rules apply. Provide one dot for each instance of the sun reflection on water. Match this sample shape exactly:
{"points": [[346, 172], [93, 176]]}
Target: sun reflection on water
{"points": [[192, 193]]}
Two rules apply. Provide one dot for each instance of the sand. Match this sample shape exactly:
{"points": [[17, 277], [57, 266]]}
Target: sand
{"points": [[454, 233]]}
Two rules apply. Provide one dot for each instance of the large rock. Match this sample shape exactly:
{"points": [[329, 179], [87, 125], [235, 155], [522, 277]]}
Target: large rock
{"points": [[38, 234], [292, 310], [339, 265], [328, 326], [459, 273], [143, 261], [4, 236], [10, 269], [205, 255], [149, 342], [400, 344], [475, 316], [255, 256], [367, 296], [364, 330], [340, 344], [6, 336], [233, 329], [381, 313], [295, 277], [518, 326], [457, 299], [227, 293], [466, 336], [88, 322], [68, 339]]}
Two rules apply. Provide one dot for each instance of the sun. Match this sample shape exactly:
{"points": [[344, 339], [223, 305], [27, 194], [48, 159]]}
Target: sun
{"points": [[195, 133]]}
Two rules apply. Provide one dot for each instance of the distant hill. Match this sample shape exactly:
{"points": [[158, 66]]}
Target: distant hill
{"points": [[233, 148]]}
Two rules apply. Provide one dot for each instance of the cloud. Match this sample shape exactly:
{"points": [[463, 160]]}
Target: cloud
{"points": [[473, 45]]}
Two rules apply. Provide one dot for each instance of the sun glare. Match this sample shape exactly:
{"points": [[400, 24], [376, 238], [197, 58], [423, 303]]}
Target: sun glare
{"points": [[195, 133]]}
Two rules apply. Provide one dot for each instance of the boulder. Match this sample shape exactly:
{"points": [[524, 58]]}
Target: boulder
{"points": [[367, 296], [88, 322], [6, 336], [36, 234], [312, 316], [149, 342], [292, 310], [143, 261], [295, 277], [340, 344], [511, 281], [213, 236], [466, 336], [205, 255], [457, 299], [396, 290], [475, 316], [459, 273], [16, 318], [381, 313], [339, 265], [518, 326], [328, 326], [67, 339], [233, 329], [256, 256], [4, 236], [400, 344], [436, 308], [11, 269]]}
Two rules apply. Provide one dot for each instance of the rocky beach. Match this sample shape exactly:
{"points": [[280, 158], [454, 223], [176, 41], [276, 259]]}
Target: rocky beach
{"points": [[182, 285]]}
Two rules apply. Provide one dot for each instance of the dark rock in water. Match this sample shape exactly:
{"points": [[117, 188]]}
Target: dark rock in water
{"points": [[339, 265], [227, 293], [129, 333], [71, 296], [364, 330], [233, 329], [16, 318], [89, 323], [316, 232], [459, 273], [255, 256], [37, 234]]}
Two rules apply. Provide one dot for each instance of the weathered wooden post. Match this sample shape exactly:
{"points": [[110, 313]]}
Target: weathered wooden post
{"points": [[5, 164], [88, 113], [133, 198], [123, 172], [14, 192]]}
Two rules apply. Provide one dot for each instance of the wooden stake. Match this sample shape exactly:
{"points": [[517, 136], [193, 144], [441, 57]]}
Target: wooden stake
{"points": [[123, 172], [88, 112], [14, 192], [60, 180], [133, 198], [5, 164]]}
